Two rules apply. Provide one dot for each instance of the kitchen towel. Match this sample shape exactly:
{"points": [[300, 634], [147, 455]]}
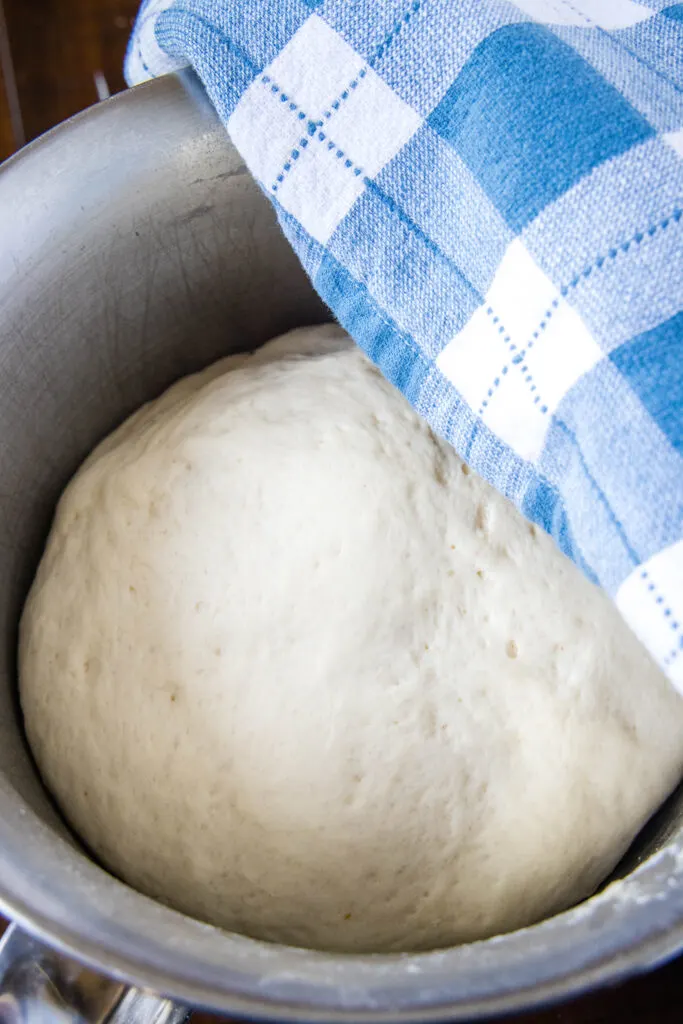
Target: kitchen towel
{"points": [[489, 197]]}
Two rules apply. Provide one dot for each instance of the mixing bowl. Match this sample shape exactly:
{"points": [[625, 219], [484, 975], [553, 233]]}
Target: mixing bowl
{"points": [[136, 248]]}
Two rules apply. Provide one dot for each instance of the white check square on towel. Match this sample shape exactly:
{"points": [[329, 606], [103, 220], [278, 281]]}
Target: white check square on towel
{"points": [[647, 600], [315, 66], [675, 140], [605, 14], [329, 122], [520, 353], [265, 130]]}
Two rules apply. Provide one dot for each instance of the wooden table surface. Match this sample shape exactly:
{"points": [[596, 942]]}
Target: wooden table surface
{"points": [[50, 54]]}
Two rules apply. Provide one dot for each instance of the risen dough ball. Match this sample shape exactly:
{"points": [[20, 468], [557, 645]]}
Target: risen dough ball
{"points": [[290, 668]]}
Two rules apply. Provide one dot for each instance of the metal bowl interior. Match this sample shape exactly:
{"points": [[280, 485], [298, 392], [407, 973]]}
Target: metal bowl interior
{"points": [[135, 249]]}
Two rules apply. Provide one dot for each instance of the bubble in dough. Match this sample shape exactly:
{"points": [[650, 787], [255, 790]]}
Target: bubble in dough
{"points": [[289, 667]]}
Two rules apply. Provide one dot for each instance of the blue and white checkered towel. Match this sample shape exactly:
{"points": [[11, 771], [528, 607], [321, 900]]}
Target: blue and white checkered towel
{"points": [[489, 196]]}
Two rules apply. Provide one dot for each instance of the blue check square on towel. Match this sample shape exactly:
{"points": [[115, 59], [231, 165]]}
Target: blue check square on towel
{"points": [[489, 197]]}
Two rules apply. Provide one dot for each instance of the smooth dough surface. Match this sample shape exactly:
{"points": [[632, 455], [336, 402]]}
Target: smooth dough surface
{"points": [[290, 668]]}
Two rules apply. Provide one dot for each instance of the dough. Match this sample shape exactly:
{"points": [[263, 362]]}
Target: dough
{"points": [[289, 667]]}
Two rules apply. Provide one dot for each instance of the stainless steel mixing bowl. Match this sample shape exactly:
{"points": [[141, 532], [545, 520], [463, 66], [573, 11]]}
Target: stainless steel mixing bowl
{"points": [[135, 248]]}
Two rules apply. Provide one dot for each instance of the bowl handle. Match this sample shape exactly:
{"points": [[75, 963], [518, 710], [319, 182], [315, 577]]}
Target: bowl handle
{"points": [[40, 986]]}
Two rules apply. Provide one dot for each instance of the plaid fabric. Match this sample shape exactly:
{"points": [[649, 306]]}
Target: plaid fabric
{"points": [[489, 196]]}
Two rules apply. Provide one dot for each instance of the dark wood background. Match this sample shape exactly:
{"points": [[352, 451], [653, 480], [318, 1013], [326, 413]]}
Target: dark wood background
{"points": [[50, 54]]}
